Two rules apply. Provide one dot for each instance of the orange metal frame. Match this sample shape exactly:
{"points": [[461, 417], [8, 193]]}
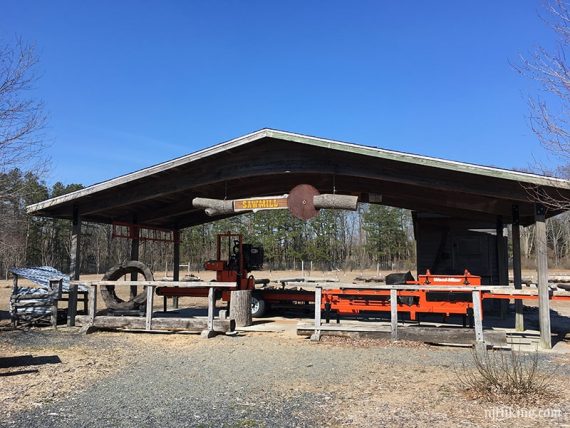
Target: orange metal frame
{"points": [[348, 301], [226, 270]]}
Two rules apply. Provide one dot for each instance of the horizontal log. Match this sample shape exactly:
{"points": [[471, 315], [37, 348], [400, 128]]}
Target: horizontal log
{"points": [[559, 278], [340, 202], [35, 296], [34, 303], [461, 336], [214, 206], [173, 324], [380, 278], [39, 310]]}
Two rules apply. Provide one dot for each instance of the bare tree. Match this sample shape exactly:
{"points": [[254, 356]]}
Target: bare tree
{"points": [[550, 109], [22, 117]]}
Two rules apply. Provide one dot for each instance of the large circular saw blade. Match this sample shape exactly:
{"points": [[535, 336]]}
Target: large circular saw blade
{"points": [[300, 201]]}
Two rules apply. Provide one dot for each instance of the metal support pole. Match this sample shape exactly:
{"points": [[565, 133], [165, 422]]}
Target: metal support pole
{"points": [[394, 313], [542, 273], [517, 270], [74, 268], [318, 298]]}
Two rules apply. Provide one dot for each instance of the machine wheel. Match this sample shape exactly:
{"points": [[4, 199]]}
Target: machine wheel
{"points": [[108, 292], [258, 306]]}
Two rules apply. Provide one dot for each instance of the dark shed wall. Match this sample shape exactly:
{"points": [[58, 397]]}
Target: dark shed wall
{"points": [[449, 246]]}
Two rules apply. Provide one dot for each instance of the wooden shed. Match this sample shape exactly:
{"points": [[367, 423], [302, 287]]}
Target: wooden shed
{"points": [[270, 162]]}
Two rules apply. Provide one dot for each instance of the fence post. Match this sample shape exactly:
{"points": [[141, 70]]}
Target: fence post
{"points": [[477, 320], [55, 296], [149, 304], [394, 313], [316, 336], [209, 332], [92, 303]]}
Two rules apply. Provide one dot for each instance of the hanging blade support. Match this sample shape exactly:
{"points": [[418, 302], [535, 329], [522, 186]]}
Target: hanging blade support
{"points": [[304, 202]]}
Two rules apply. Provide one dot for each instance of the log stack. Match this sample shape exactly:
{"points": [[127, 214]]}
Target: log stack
{"points": [[34, 306]]}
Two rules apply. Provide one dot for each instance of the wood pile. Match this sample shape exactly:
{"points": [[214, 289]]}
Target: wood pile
{"points": [[377, 278], [31, 306]]}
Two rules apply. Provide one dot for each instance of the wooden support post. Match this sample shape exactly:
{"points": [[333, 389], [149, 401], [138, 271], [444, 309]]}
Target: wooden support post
{"points": [[55, 288], [135, 242], [240, 307], [176, 256], [542, 273], [517, 269], [92, 303], [211, 307], [13, 318], [478, 320], [394, 313], [502, 267], [149, 304], [75, 266], [316, 336], [176, 267]]}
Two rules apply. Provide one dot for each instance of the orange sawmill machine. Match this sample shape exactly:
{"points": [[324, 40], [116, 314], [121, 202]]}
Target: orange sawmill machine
{"points": [[437, 300], [234, 262], [240, 259]]}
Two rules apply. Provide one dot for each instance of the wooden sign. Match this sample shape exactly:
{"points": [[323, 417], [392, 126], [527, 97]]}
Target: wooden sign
{"points": [[266, 203]]}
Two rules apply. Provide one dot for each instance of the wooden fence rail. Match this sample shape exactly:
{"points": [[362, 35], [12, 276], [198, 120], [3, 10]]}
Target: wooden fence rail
{"points": [[150, 286], [475, 290]]}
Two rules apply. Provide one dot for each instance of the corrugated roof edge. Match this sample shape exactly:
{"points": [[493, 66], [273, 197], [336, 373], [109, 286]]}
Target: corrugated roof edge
{"points": [[315, 141]]}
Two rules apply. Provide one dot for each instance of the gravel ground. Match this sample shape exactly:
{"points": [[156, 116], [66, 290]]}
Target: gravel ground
{"points": [[257, 380]]}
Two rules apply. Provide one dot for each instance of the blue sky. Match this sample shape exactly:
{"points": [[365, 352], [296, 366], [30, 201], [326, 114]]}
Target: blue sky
{"points": [[128, 84]]}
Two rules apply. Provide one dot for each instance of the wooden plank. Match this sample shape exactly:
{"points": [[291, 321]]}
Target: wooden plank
{"points": [[149, 307], [442, 335], [196, 325], [542, 274], [409, 287], [317, 327], [394, 314], [180, 284]]}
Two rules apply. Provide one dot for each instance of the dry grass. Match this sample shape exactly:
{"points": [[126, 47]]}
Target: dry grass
{"points": [[508, 377]]}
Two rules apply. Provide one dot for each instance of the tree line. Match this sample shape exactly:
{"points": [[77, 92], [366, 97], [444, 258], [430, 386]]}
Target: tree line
{"points": [[374, 236], [332, 240]]}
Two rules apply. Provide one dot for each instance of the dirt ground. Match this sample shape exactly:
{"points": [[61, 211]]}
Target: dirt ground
{"points": [[265, 380], [118, 379]]}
